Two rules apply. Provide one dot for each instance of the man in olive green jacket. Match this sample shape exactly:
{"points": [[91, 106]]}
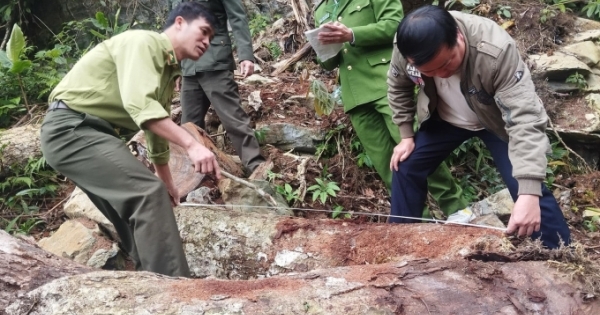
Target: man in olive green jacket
{"points": [[127, 81], [366, 29], [209, 80]]}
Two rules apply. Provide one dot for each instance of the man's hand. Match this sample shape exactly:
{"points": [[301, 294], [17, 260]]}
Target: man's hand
{"points": [[401, 152], [335, 32], [525, 218], [247, 68], [174, 194], [204, 160], [178, 84]]}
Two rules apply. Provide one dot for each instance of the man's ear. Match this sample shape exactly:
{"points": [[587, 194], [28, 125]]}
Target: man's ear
{"points": [[179, 21]]}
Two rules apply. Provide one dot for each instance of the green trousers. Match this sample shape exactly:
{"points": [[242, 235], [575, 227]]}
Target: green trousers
{"points": [[86, 149], [379, 135], [220, 89]]}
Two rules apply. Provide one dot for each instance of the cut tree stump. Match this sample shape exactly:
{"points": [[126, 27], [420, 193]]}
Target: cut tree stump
{"points": [[182, 168]]}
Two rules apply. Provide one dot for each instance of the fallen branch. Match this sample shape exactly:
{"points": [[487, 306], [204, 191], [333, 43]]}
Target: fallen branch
{"points": [[301, 177], [585, 164], [297, 56]]}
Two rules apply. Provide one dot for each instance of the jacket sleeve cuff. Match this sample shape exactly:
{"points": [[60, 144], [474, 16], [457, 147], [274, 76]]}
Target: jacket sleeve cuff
{"points": [[406, 130], [159, 158], [530, 186]]}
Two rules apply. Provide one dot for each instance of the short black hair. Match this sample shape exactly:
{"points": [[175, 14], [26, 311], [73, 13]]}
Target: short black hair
{"points": [[190, 11], [424, 31]]}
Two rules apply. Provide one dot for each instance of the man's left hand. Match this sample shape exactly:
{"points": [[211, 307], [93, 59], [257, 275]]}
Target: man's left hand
{"points": [[335, 32], [173, 195], [525, 218], [247, 68]]}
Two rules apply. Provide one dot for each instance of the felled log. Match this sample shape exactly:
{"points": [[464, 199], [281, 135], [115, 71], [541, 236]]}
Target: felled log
{"points": [[242, 245], [182, 168], [24, 266], [17, 145], [406, 287]]}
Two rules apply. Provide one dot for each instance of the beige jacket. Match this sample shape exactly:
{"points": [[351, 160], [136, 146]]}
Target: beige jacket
{"points": [[497, 86]]}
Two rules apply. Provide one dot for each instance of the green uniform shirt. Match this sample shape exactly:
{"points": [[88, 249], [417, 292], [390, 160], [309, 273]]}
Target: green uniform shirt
{"points": [[126, 80]]}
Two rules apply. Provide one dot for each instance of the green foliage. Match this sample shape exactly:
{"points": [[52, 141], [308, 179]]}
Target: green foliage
{"points": [[323, 189], [21, 193], [261, 134], [592, 9], [362, 158], [324, 101], [504, 11], [105, 28], [258, 23], [274, 49], [553, 7], [577, 79], [479, 176], [271, 176], [556, 162], [333, 139], [288, 192], [337, 210]]}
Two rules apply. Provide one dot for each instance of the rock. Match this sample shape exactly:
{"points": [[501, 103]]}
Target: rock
{"points": [[593, 83], [596, 70], [587, 36], [500, 204], [199, 196], [593, 101], [488, 220], [288, 136], [245, 199], [256, 79], [254, 100], [75, 241], [17, 146], [558, 66], [80, 206], [562, 87], [586, 51], [586, 24]]}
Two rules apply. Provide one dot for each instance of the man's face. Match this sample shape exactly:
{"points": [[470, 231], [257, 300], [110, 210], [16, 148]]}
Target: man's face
{"points": [[446, 62], [195, 37]]}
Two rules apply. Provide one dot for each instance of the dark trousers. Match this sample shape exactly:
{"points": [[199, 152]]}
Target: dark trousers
{"points": [[433, 143], [86, 149], [220, 89]]}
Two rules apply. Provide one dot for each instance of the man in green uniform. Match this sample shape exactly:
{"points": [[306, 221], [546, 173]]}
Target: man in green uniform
{"points": [[366, 29], [127, 81], [209, 80]]}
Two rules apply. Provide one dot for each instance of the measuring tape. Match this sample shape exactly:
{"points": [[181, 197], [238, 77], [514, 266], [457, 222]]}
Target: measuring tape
{"points": [[189, 204]]}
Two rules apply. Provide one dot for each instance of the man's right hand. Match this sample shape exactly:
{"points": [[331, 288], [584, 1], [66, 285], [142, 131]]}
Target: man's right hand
{"points": [[204, 160], [401, 152]]}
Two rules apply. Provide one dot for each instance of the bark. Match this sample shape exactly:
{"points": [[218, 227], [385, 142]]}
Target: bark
{"points": [[242, 245], [24, 266], [17, 145], [407, 287]]}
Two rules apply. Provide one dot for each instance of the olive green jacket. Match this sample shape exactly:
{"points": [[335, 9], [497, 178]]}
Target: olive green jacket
{"points": [[496, 84], [219, 55], [363, 64], [126, 80]]}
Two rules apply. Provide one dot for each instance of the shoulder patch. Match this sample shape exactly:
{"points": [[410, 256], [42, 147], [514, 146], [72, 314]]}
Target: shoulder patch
{"points": [[489, 49], [414, 75]]}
